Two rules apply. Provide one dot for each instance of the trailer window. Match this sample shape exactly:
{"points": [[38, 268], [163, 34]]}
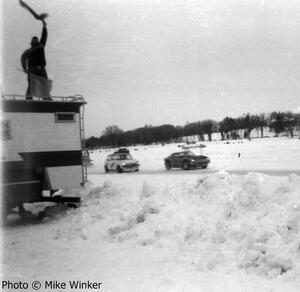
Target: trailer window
{"points": [[6, 130], [65, 117]]}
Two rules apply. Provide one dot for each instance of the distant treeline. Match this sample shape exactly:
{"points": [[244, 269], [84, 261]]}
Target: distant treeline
{"points": [[229, 128]]}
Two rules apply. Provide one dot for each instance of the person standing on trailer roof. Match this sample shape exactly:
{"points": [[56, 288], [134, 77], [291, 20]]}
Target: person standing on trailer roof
{"points": [[33, 60]]}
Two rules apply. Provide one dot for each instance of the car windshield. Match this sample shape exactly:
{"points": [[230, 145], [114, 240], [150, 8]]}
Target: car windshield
{"points": [[190, 153], [125, 156]]}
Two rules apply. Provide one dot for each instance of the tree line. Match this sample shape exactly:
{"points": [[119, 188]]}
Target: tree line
{"points": [[229, 128]]}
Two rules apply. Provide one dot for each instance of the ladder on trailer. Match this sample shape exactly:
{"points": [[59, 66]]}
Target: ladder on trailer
{"points": [[83, 147]]}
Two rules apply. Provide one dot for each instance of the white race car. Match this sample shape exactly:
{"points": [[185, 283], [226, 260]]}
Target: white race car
{"points": [[120, 162]]}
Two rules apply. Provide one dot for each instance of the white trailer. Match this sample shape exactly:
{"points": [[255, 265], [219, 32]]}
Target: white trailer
{"points": [[42, 148]]}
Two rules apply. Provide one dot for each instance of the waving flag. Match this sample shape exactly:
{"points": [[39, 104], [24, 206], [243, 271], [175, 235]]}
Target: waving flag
{"points": [[34, 14]]}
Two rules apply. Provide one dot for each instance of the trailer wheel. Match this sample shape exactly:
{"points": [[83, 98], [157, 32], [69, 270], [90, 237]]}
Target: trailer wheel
{"points": [[73, 205]]}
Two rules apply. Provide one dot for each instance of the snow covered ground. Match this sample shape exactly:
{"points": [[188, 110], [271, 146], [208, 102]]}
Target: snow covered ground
{"points": [[232, 227]]}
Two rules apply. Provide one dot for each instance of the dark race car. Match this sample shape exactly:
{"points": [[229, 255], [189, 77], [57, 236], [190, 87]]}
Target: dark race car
{"points": [[186, 160]]}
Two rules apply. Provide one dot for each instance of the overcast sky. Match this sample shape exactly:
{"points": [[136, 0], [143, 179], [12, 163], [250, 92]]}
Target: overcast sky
{"points": [[140, 62]]}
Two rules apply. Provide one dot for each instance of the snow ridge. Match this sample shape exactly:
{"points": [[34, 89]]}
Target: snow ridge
{"points": [[249, 222]]}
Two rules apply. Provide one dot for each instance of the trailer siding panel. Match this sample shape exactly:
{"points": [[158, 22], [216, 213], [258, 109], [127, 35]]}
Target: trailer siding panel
{"points": [[39, 132]]}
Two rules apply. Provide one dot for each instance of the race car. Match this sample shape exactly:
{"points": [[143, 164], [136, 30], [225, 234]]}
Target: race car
{"points": [[121, 161], [186, 160]]}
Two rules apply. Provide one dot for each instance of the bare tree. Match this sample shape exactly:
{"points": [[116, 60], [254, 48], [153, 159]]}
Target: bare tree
{"points": [[263, 121], [208, 127], [113, 134]]}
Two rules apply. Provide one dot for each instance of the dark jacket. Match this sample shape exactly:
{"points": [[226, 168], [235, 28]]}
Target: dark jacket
{"points": [[35, 56]]}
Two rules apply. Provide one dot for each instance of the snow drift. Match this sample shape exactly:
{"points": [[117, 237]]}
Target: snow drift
{"points": [[215, 221]]}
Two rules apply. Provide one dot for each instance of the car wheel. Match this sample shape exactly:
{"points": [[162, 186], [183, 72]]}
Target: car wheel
{"points": [[168, 165], [204, 166], [119, 169], [185, 165], [106, 169]]}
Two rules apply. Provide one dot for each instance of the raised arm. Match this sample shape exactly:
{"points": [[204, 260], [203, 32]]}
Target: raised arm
{"points": [[44, 35]]}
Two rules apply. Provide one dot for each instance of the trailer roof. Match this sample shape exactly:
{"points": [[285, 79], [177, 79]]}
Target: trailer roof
{"points": [[71, 98], [18, 103]]}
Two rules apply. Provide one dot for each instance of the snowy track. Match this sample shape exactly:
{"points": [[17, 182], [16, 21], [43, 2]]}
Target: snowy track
{"points": [[278, 172]]}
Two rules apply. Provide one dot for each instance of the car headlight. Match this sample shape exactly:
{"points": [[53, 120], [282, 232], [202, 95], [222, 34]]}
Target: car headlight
{"points": [[123, 164], [193, 160]]}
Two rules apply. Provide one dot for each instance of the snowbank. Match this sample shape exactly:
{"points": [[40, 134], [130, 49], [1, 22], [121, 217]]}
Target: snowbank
{"points": [[213, 222]]}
